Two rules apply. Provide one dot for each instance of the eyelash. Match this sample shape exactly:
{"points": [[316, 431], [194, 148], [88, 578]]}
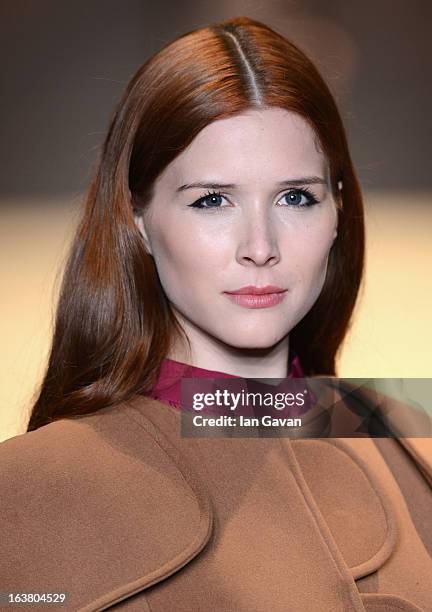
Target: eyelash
{"points": [[303, 191]]}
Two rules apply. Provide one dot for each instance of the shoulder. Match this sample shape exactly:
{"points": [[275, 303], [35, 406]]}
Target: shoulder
{"points": [[81, 496], [110, 443], [53, 449], [64, 464], [377, 407], [114, 458]]}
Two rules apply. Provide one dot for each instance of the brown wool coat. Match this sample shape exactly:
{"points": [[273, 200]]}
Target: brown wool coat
{"points": [[121, 512]]}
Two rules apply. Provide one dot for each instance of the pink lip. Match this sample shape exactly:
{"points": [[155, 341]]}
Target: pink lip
{"points": [[256, 301], [252, 290]]}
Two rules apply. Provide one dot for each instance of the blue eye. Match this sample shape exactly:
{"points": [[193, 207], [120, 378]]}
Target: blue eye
{"points": [[211, 199], [294, 197]]}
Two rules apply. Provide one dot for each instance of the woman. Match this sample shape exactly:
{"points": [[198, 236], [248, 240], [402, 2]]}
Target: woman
{"points": [[225, 166]]}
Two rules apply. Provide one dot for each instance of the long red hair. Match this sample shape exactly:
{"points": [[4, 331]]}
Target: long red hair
{"points": [[114, 324]]}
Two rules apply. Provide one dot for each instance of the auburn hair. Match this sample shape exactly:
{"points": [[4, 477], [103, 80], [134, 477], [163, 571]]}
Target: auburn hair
{"points": [[114, 324]]}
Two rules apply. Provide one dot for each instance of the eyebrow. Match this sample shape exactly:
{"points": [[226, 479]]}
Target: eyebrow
{"points": [[305, 180]]}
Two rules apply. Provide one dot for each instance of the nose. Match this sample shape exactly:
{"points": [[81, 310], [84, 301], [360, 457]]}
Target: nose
{"points": [[257, 242]]}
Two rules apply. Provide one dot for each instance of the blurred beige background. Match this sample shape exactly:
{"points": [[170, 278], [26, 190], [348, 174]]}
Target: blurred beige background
{"points": [[391, 335]]}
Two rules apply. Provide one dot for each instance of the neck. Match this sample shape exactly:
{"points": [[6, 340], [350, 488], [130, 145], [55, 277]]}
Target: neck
{"points": [[212, 354]]}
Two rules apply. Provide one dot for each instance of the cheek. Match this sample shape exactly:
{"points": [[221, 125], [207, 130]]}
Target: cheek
{"points": [[185, 260], [311, 261]]}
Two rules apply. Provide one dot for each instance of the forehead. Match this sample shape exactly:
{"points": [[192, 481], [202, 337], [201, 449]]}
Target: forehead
{"points": [[272, 143]]}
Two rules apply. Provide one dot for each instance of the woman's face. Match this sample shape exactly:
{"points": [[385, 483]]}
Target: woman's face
{"points": [[264, 167]]}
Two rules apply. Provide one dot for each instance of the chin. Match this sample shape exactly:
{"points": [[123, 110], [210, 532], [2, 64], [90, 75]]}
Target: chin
{"points": [[251, 340]]}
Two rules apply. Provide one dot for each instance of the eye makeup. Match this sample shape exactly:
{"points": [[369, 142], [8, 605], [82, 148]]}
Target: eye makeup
{"points": [[296, 199]]}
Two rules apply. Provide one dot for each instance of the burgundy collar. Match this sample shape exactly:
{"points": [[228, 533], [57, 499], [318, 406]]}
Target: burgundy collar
{"points": [[168, 386]]}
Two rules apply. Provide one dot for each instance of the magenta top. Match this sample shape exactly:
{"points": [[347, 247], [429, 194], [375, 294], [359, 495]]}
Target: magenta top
{"points": [[168, 386]]}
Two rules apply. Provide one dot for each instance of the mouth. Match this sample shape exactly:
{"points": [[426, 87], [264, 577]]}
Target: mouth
{"points": [[257, 300], [253, 290]]}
